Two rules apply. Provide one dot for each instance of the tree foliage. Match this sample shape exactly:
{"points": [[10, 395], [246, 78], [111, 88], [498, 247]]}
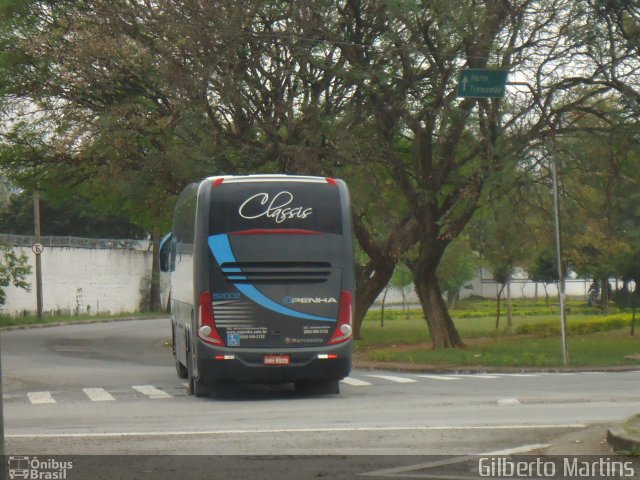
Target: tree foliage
{"points": [[14, 270], [460, 264], [139, 98]]}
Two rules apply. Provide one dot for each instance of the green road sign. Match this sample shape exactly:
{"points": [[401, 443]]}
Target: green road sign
{"points": [[482, 83]]}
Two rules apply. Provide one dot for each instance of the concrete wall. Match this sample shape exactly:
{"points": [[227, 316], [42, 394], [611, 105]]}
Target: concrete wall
{"points": [[484, 286], [85, 280]]}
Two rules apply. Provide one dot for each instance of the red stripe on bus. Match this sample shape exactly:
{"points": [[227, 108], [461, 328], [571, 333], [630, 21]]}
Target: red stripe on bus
{"points": [[275, 231]]}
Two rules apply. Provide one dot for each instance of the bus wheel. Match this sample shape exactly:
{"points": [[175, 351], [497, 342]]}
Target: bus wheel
{"points": [[196, 387], [320, 387], [181, 370]]}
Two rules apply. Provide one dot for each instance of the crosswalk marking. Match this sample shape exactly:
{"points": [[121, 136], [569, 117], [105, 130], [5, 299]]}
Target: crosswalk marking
{"points": [[507, 402], [40, 397], [354, 382], [392, 378], [151, 391], [439, 377], [98, 394]]}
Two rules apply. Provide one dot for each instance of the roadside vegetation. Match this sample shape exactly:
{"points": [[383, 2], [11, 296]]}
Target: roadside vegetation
{"points": [[56, 318], [595, 339]]}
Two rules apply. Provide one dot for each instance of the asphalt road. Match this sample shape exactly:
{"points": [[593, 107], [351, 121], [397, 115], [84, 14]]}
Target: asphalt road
{"points": [[111, 388]]}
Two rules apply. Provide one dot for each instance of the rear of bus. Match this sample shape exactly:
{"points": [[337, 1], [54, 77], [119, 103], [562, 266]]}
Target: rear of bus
{"points": [[281, 281]]}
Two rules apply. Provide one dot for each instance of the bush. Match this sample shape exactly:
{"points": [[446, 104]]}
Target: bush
{"points": [[576, 327]]}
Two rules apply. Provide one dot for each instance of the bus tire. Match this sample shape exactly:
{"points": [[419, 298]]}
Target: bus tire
{"points": [[181, 370], [196, 387]]}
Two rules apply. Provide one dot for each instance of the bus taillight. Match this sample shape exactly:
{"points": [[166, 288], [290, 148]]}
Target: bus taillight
{"points": [[207, 322], [343, 329]]}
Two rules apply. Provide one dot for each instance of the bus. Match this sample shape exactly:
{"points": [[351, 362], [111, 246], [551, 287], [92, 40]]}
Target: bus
{"points": [[262, 282]]}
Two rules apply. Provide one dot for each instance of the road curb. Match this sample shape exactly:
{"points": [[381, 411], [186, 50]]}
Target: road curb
{"points": [[625, 438], [415, 368]]}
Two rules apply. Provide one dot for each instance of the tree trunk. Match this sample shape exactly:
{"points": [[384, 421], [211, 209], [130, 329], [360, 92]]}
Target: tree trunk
{"points": [[384, 299], [155, 304], [633, 305], [405, 309], [441, 327], [498, 312], [509, 316], [369, 286], [605, 295], [372, 278]]}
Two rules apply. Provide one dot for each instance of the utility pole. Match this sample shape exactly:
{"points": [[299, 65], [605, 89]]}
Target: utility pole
{"points": [[561, 293], [37, 249]]}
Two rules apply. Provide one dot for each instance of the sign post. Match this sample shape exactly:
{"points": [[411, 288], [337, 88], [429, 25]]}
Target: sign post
{"points": [[482, 83]]}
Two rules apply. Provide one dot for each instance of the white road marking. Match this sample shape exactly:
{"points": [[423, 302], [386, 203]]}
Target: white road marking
{"points": [[40, 397], [354, 382], [295, 430], [98, 394], [405, 471], [473, 375], [516, 450], [392, 378], [151, 391], [508, 402], [439, 377], [522, 375]]}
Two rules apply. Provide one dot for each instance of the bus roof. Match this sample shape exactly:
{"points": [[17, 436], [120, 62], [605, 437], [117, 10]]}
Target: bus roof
{"points": [[267, 178]]}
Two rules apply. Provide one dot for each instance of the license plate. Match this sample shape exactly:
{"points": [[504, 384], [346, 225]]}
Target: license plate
{"points": [[277, 360]]}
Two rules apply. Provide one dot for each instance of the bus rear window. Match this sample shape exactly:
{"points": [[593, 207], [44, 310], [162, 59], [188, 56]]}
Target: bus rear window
{"points": [[251, 206]]}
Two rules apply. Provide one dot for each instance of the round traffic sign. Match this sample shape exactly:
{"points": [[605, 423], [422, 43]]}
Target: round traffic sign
{"points": [[37, 248]]}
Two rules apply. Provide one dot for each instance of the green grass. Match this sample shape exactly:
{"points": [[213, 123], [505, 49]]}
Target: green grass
{"points": [[6, 321], [596, 350], [595, 339]]}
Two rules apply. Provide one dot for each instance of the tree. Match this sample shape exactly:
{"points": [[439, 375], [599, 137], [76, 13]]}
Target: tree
{"points": [[402, 281], [500, 235], [410, 56], [459, 265], [600, 165], [13, 271], [69, 215], [241, 90], [544, 269]]}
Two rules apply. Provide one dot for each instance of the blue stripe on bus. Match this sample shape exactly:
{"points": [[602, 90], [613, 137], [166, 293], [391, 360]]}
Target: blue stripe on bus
{"points": [[221, 249]]}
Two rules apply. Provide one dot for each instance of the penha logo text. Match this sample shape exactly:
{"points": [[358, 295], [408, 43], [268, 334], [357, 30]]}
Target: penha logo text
{"points": [[277, 208]]}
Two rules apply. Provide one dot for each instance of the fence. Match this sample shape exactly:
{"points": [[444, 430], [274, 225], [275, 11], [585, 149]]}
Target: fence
{"points": [[75, 242]]}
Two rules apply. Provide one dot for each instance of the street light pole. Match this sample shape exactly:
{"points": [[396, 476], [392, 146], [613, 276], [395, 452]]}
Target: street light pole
{"points": [[556, 215]]}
